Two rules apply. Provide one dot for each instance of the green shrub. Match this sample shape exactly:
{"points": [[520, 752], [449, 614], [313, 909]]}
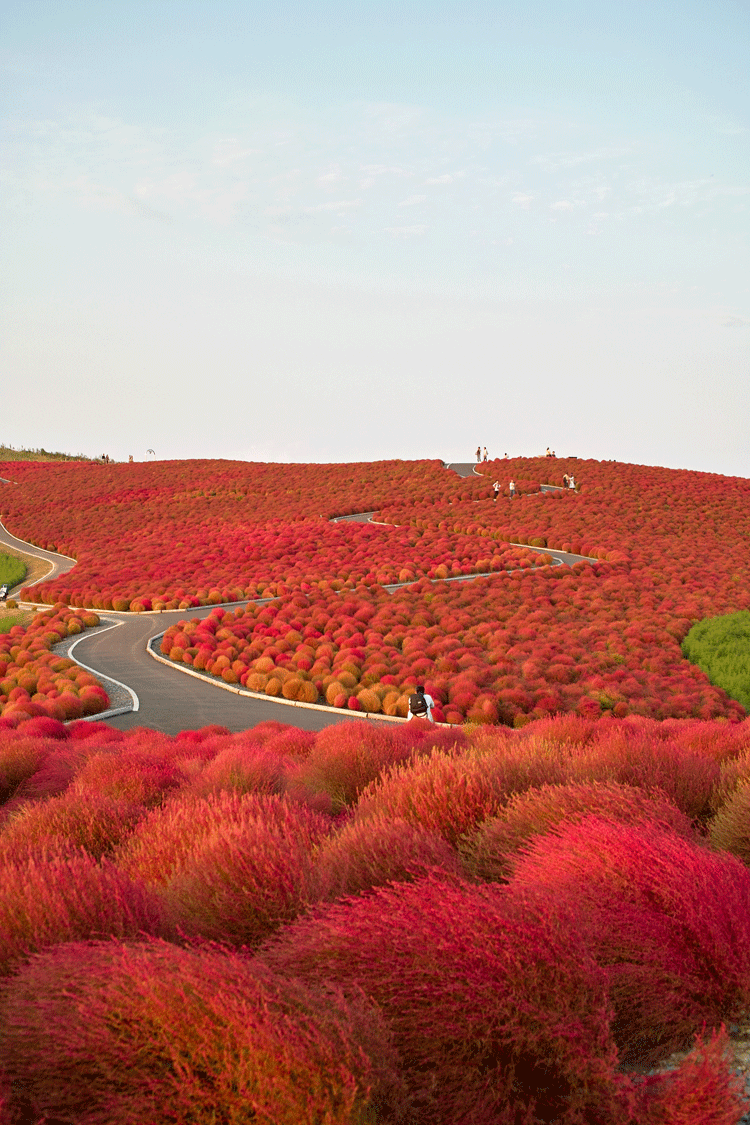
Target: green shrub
{"points": [[720, 646]]}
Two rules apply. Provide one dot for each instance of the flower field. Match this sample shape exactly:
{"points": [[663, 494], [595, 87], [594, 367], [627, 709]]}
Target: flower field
{"points": [[533, 640], [375, 923], [512, 921]]}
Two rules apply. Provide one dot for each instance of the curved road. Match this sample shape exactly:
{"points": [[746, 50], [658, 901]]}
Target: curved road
{"points": [[160, 695]]}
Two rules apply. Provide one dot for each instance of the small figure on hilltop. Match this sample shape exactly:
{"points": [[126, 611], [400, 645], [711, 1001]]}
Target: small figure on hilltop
{"points": [[549, 452], [566, 480], [512, 489], [479, 454], [572, 482], [496, 490], [420, 705], [484, 458]]}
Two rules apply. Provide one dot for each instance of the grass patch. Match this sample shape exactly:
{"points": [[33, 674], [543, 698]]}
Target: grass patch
{"points": [[720, 646], [12, 570], [8, 453], [11, 617]]}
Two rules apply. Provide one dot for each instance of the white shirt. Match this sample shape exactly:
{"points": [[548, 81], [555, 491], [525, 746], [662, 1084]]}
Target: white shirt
{"points": [[430, 704]]}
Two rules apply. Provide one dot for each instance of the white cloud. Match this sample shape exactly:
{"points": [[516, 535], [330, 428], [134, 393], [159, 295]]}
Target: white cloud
{"points": [[562, 205], [412, 200], [407, 232], [522, 200]]}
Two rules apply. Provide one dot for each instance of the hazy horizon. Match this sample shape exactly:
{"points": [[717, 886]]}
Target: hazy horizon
{"points": [[342, 233]]}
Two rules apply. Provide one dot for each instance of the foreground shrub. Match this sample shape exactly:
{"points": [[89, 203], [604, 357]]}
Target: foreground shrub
{"points": [[496, 1017], [451, 793], [108, 1034], [66, 825], [730, 828], [703, 1090], [247, 877], [346, 757], [625, 754], [241, 767], [488, 853], [667, 918], [137, 774], [45, 901], [370, 853]]}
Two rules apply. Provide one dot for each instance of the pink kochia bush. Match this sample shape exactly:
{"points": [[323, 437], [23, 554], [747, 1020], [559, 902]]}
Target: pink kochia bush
{"points": [[150, 1034], [668, 919], [494, 1014]]}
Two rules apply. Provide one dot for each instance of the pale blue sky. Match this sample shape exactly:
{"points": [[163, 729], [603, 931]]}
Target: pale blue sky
{"points": [[344, 231]]}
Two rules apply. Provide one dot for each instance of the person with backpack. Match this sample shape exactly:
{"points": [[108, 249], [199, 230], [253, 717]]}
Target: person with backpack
{"points": [[420, 705]]}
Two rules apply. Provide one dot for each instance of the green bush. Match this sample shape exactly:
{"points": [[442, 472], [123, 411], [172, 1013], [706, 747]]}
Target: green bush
{"points": [[12, 570], [720, 646]]}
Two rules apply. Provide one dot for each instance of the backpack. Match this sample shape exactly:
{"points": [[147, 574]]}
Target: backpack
{"points": [[417, 704]]}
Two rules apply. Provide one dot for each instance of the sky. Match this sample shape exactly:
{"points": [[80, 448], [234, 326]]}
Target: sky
{"points": [[343, 231]]}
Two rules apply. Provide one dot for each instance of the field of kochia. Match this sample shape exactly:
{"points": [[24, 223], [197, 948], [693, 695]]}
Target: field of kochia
{"points": [[374, 924], [530, 640], [516, 920]]}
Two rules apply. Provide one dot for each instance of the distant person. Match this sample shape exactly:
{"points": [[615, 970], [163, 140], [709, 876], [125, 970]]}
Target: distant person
{"points": [[566, 480], [496, 490], [572, 483], [479, 454], [512, 489], [485, 453], [420, 705], [548, 453], [506, 456], [3, 591]]}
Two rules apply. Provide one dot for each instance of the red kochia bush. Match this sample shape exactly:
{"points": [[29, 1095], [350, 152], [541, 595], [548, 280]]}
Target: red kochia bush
{"points": [[489, 853], [703, 1090], [370, 853], [66, 824], [245, 878], [243, 766], [46, 901], [346, 757], [150, 1034], [131, 773], [623, 753], [451, 793], [667, 918], [496, 1017]]}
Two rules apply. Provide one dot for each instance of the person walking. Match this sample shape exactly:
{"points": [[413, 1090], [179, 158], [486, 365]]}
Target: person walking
{"points": [[572, 483], [479, 454], [485, 453], [496, 490], [420, 705], [512, 489]]}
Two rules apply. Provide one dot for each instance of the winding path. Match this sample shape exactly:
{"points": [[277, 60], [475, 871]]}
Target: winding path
{"points": [[161, 695]]}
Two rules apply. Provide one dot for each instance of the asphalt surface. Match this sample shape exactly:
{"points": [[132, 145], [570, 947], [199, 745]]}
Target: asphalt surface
{"points": [[164, 696]]}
